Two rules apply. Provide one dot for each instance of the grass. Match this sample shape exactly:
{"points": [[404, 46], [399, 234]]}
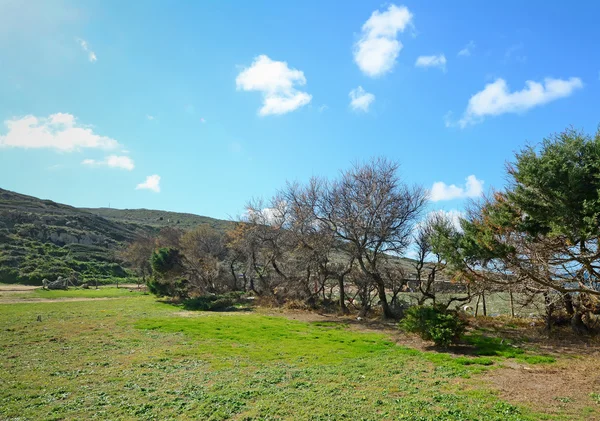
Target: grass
{"points": [[101, 292], [135, 358]]}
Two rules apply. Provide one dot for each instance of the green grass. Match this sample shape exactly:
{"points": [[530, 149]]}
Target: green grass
{"points": [[101, 292], [135, 358]]}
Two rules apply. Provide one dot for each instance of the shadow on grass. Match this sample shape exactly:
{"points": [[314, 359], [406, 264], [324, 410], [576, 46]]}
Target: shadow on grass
{"points": [[478, 345], [224, 302]]}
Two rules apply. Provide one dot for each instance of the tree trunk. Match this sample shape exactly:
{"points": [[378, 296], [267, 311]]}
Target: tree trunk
{"points": [[343, 308], [512, 303], [484, 306], [387, 311], [577, 323], [549, 311], [568, 300], [233, 276]]}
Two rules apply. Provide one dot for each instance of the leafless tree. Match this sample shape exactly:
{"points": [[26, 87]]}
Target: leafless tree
{"points": [[373, 212]]}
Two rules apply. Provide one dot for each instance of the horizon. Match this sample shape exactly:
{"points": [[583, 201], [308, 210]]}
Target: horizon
{"points": [[200, 107]]}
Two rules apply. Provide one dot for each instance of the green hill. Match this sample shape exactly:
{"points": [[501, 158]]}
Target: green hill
{"points": [[159, 218], [44, 239]]}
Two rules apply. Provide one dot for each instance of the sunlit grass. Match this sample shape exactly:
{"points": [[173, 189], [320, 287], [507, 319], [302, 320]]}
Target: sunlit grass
{"points": [[134, 358]]}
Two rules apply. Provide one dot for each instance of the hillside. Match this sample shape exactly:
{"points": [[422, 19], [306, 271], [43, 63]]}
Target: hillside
{"points": [[44, 239], [159, 218]]}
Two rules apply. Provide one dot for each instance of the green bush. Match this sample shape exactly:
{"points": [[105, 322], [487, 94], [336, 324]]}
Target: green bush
{"points": [[213, 302], [436, 324], [168, 287]]}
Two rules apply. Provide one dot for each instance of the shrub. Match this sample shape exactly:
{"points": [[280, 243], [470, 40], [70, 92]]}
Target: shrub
{"points": [[213, 302], [168, 288], [433, 323]]}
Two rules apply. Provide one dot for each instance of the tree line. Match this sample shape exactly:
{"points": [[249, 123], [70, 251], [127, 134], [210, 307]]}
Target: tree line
{"points": [[341, 240]]}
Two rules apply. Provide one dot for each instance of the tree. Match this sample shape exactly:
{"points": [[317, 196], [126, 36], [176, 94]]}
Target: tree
{"points": [[542, 232], [137, 254], [373, 213], [202, 253], [167, 269], [315, 241]]}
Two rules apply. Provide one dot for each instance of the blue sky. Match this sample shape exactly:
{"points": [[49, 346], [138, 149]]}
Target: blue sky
{"points": [[213, 103]]}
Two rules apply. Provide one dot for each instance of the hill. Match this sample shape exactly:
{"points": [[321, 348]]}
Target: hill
{"points": [[44, 239], [159, 218]]}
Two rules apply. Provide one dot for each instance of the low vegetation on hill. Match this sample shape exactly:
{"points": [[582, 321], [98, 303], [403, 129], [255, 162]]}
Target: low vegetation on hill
{"points": [[43, 239]]}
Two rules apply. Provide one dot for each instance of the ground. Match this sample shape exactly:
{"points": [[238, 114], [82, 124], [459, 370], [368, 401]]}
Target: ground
{"points": [[124, 355]]}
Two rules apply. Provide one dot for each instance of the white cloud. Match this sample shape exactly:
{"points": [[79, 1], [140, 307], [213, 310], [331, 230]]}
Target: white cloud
{"points": [[441, 191], [466, 52], [59, 131], [150, 117], [152, 183], [85, 47], [113, 161], [376, 51], [276, 81], [323, 108], [496, 99], [360, 100], [432, 61]]}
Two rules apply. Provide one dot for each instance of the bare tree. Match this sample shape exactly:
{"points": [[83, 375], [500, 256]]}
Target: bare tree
{"points": [[137, 255], [372, 212]]}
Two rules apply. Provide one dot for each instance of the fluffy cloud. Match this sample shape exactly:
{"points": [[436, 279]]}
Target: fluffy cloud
{"points": [[466, 52], [496, 99], [432, 61], [277, 82], [85, 47], [152, 183], [360, 100], [58, 131], [376, 51], [112, 161], [441, 191]]}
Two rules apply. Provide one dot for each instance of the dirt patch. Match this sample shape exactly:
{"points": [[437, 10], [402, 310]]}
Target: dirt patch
{"points": [[53, 300], [18, 288], [564, 387]]}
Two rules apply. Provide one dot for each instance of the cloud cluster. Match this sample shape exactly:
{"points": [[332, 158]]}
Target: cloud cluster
{"points": [[360, 100], [376, 51], [85, 47], [441, 191], [152, 182], [112, 161], [277, 83], [432, 61], [57, 131], [496, 98]]}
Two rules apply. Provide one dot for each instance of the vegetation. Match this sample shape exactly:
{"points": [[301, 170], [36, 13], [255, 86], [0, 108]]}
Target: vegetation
{"points": [[434, 323], [539, 236], [43, 239], [137, 358]]}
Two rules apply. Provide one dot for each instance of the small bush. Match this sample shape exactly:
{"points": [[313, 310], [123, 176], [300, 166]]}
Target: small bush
{"points": [[436, 324], [213, 302], [168, 288]]}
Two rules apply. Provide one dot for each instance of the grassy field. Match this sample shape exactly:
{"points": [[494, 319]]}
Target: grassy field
{"points": [[134, 358]]}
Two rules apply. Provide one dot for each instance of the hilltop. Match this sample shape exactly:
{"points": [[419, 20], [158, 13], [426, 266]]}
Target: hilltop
{"points": [[44, 239]]}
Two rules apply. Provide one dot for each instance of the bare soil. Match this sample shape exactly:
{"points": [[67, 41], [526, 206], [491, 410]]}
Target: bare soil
{"points": [[567, 385]]}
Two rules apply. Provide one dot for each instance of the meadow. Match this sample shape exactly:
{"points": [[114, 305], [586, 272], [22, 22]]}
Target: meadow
{"points": [[125, 355]]}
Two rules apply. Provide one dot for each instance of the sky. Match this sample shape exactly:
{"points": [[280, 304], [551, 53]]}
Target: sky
{"points": [[200, 106]]}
